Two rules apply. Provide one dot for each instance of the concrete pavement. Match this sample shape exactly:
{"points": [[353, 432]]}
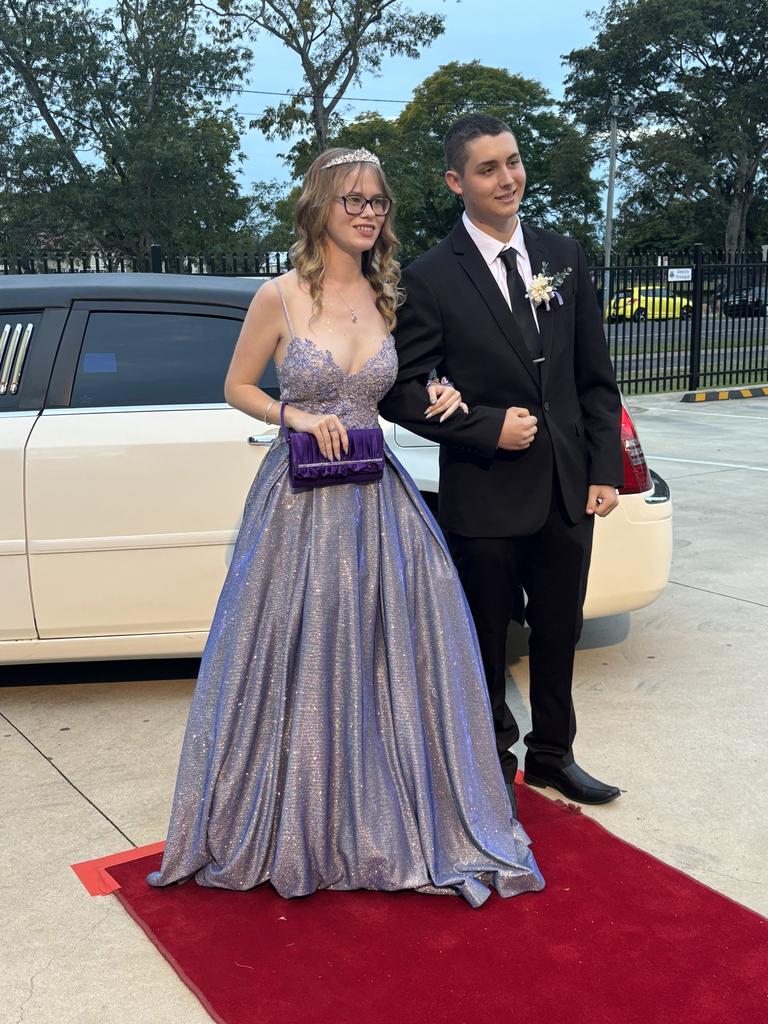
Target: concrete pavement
{"points": [[672, 704]]}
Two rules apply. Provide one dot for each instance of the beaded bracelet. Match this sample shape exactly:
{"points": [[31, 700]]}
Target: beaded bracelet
{"points": [[443, 380]]}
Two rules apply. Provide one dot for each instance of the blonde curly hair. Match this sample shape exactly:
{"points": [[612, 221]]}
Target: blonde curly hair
{"points": [[321, 186]]}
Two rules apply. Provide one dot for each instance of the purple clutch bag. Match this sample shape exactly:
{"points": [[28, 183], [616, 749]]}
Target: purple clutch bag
{"points": [[308, 468]]}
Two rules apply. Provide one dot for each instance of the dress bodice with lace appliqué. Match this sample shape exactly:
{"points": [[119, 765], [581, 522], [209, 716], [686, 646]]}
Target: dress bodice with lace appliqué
{"points": [[312, 380]]}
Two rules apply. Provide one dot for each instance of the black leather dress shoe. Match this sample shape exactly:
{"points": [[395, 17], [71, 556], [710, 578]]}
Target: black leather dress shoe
{"points": [[512, 799], [572, 782]]}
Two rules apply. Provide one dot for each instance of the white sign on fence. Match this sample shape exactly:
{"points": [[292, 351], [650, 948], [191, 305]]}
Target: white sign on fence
{"points": [[680, 274]]}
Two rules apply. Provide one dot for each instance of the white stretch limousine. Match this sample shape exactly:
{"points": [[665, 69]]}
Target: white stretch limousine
{"points": [[123, 472]]}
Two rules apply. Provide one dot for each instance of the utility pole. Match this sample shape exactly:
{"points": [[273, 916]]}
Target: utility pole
{"points": [[613, 112]]}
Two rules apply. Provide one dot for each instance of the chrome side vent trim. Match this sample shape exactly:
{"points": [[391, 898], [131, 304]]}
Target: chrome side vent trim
{"points": [[21, 355], [4, 341], [10, 352]]}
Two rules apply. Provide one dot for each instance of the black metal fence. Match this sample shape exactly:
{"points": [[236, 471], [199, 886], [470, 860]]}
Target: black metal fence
{"points": [[685, 320], [153, 261], [677, 321]]}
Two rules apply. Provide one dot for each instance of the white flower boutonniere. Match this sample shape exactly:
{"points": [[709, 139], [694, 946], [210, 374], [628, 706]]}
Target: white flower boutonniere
{"points": [[543, 288]]}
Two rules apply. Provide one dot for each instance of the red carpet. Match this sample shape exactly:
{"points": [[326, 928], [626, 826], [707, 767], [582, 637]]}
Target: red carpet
{"points": [[616, 938], [95, 876]]}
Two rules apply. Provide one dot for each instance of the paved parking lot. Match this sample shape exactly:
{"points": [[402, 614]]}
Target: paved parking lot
{"points": [[672, 702]]}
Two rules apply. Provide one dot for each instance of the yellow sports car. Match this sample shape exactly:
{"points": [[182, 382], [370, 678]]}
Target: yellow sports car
{"points": [[648, 304]]}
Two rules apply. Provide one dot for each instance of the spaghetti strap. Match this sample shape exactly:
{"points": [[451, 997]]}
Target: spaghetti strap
{"points": [[285, 310]]}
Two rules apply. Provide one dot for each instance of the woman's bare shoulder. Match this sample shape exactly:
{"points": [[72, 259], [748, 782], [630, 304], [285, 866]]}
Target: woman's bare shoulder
{"points": [[266, 301], [292, 285]]}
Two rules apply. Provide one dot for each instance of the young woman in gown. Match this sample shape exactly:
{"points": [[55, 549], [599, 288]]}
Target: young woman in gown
{"points": [[340, 734]]}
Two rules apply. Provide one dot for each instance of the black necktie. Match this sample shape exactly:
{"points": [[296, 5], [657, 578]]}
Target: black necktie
{"points": [[521, 307]]}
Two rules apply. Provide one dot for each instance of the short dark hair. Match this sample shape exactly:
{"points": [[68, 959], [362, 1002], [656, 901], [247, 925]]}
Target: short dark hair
{"points": [[467, 128]]}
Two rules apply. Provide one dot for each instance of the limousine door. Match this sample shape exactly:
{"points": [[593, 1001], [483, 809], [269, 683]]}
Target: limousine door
{"points": [[25, 354], [135, 486]]}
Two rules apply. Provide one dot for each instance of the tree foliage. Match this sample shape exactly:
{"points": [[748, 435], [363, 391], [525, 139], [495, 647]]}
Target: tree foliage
{"points": [[665, 206], [270, 215], [697, 145], [117, 135], [560, 192], [336, 42]]}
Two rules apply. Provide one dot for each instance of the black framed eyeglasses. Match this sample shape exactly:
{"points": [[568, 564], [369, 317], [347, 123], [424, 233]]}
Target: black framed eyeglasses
{"points": [[355, 204]]}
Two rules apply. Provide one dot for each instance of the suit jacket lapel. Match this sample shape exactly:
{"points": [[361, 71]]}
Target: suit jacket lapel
{"points": [[538, 255], [479, 273]]}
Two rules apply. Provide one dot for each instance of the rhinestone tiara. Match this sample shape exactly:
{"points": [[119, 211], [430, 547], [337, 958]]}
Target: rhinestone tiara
{"points": [[356, 156]]}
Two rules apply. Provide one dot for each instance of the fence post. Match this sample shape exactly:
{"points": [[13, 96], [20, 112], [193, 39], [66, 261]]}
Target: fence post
{"points": [[155, 259], [694, 370]]}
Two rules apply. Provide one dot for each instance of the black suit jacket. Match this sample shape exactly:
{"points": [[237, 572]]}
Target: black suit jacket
{"points": [[456, 320]]}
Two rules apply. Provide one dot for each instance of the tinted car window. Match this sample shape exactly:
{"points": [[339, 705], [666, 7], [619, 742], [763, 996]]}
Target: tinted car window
{"points": [[140, 358]]}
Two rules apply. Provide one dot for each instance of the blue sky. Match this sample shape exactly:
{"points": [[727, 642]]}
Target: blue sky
{"points": [[524, 38]]}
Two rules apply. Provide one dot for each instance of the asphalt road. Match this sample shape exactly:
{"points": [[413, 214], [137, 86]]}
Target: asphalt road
{"points": [[657, 353]]}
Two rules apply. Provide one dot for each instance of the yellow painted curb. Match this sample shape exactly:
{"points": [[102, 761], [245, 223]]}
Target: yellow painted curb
{"points": [[760, 391]]}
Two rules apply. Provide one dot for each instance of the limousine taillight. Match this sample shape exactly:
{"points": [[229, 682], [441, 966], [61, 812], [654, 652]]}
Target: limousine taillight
{"points": [[637, 477]]}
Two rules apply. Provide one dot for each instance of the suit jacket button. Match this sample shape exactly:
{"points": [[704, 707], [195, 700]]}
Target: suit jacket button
{"points": [[546, 407]]}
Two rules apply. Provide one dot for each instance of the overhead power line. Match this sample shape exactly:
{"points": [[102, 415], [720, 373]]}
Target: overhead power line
{"points": [[348, 99]]}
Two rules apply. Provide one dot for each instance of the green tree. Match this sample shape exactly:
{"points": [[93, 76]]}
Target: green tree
{"points": [[664, 206], [560, 193], [696, 71], [336, 42], [119, 135], [269, 223]]}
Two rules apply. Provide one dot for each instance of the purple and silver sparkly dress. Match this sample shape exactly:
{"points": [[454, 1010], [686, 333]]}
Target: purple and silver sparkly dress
{"points": [[340, 734]]}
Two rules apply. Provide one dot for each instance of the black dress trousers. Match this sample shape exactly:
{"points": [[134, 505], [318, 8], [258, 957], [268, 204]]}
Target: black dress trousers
{"points": [[552, 565]]}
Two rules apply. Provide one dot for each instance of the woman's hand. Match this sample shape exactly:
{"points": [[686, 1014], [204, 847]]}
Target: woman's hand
{"points": [[327, 430], [444, 400]]}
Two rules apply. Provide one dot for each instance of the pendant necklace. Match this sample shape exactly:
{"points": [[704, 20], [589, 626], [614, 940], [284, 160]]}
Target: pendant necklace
{"points": [[351, 307]]}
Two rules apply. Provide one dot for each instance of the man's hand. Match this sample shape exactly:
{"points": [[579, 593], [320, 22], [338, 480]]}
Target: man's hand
{"points": [[518, 431], [601, 500]]}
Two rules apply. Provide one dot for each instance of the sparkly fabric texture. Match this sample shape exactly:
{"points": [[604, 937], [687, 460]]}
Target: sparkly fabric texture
{"points": [[340, 733]]}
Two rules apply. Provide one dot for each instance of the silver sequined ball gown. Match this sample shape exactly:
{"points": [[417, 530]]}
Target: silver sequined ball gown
{"points": [[340, 734]]}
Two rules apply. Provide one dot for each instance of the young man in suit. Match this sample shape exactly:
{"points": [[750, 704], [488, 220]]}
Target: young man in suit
{"points": [[538, 455]]}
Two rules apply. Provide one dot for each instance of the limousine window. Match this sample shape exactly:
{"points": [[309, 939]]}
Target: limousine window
{"points": [[16, 331], [143, 358]]}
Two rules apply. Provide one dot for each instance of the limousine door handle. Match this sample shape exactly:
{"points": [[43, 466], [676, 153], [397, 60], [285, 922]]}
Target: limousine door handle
{"points": [[262, 438]]}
